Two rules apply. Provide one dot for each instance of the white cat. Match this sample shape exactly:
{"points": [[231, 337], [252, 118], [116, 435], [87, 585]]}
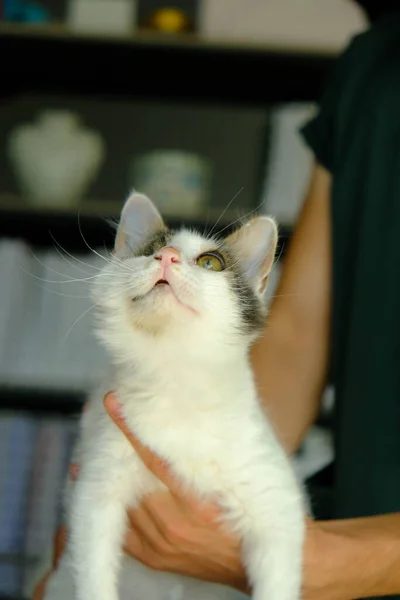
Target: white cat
{"points": [[178, 312]]}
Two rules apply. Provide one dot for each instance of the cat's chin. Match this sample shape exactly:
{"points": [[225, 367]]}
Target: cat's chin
{"points": [[162, 287], [159, 309], [163, 297]]}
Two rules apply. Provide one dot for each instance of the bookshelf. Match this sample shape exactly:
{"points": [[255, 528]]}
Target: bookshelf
{"points": [[170, 68], [145, 67], [41, 227], [158, 66]]}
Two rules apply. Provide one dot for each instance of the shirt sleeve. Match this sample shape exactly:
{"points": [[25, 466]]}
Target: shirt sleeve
{"points": [[321, 131]]}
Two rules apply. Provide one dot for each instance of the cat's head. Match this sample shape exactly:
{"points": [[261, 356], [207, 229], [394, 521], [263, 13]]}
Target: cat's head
{"points": [[181, 285]]}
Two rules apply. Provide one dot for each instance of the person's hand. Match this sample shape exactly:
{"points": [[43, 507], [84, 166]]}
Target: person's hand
{"points": [[59, 545], [172, 531]]}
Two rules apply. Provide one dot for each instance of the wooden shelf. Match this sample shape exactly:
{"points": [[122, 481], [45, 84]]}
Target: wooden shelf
{"points": [[70, 402], [89, 225], [157, 66], [42, 400], [146, 37]]}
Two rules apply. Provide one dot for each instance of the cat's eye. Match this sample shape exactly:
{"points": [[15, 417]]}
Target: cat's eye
{"points": [[211, 261]]}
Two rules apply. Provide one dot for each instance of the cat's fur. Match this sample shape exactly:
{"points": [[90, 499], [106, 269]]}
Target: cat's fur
{"points": [[182, 374]]}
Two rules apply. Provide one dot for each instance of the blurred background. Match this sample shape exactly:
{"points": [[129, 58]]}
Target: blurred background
{"points": [[198, 104]]}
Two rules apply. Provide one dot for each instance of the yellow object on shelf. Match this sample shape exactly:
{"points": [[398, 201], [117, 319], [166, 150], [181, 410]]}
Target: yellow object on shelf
{"points": [[169, 20]]}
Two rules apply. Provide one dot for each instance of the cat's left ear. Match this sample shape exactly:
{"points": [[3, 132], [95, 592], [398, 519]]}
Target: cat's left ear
{"points": [[254, 246], [139, 219]]}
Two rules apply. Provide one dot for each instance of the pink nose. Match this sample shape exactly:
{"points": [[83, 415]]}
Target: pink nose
{"points": [[168, 255]]}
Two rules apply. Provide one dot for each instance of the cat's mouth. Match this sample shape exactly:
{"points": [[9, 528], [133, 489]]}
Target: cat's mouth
{"points": [[164, 283], [159, 283]]}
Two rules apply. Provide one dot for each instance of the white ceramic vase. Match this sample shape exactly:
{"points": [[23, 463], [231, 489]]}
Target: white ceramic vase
{"points": [[55, 159]]}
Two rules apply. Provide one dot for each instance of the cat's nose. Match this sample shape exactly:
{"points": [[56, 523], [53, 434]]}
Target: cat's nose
{"points": [[168, 255]]}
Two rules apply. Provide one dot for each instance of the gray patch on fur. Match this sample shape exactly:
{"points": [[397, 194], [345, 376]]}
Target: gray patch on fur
{"points": [[152, 244], [251, 308], [156, 242]]}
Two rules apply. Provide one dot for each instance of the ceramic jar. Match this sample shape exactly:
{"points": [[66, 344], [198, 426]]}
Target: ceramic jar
{"points": [[177, 181], [55, 159]]}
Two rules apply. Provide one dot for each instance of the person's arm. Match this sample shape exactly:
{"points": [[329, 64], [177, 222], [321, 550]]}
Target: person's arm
{"points": [[343, 560], [353, 558], [290, 361]]}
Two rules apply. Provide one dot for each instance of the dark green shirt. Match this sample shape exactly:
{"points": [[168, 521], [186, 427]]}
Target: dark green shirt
{"points": [[356, 136]]}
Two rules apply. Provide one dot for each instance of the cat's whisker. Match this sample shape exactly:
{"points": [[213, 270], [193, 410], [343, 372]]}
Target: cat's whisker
{"points": [[206, 224], [86, 297], [86, 243], [122, 263], [232, 266], [74, 257], [242, 218], [72, 264], [47, 267], [57, 293], [77, 321], [115, 294], [282, 296], [113, 222], [69, 278], [277, 259], [77, 280], [109, 253], [224, 211]]}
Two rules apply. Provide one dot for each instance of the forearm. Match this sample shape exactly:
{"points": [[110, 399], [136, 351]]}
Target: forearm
{"points": [[290, 379], [359, 558], [290, 361]]}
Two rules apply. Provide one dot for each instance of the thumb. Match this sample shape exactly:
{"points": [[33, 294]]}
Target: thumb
{"points": [[60, 540], [155, 464]]}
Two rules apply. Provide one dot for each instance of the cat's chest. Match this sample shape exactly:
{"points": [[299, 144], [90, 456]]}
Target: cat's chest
{"points": [[175, 420], [190, 437]]}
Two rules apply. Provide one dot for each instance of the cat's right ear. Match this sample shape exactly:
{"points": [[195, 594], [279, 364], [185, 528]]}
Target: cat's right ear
{"points": [[139, 219]]}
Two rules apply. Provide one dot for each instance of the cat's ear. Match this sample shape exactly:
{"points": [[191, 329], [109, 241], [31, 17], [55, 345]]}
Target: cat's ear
{"points": [[139, 220], [254, 246]]}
